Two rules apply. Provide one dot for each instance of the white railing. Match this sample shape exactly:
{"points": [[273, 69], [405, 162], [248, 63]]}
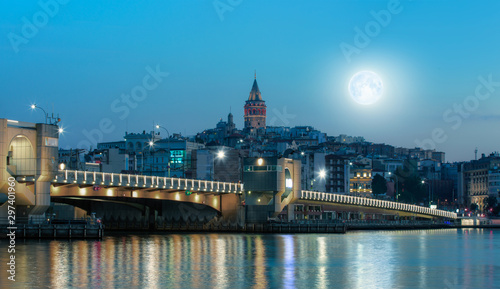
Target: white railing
{"points": [[145, 182], [367, 202]]}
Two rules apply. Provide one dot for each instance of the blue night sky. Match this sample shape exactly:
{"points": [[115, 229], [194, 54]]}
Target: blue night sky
{"points": [[87, 54]]}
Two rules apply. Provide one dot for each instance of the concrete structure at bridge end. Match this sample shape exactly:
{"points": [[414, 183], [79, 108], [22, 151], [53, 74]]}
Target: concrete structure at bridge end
{"points": [[271, 183], [27, 150]]}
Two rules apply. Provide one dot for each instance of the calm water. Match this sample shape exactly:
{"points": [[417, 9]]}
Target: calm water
{"points": [[379, 259]]}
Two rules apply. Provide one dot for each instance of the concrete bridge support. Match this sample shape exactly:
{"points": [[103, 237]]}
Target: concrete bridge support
{"points": [[144, 214], [27, 149]]}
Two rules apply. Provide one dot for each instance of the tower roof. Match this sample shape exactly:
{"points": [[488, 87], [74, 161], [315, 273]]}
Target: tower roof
{"points": [[255, 92]]}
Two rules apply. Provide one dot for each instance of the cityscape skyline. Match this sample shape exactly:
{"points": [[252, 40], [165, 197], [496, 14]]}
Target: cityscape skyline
{"points": [[82, 64], [250, 144]]}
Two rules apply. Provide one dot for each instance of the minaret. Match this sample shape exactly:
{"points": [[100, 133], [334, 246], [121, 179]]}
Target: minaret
{"points": [[230, 127], [255, 109]]}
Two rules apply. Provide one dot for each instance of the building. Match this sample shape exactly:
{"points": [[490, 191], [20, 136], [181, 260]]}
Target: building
{"points": [[255, 110], [345, 139], [313, 171], [476, 179], [384, 150], [338, 174], [115, 162], [449, 171], [113, 144], [429, 169], [72, 158], [494, 182], [202, 161], [361, 180], [147, 154], [387, 165]]}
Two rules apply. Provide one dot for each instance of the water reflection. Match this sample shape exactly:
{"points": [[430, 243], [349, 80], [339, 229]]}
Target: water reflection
{"points": [[288, 261], [385, 259]]}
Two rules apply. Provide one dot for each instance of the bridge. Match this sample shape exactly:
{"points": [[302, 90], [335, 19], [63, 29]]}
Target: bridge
{"points": [[29, 154], [140, 197], [379, 205]]}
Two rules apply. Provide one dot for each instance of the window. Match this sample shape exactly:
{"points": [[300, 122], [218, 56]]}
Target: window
{"points": [[51, 141]]}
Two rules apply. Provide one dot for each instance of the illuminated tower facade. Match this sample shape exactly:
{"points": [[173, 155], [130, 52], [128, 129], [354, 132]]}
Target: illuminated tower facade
{"points": [[255, 109]]}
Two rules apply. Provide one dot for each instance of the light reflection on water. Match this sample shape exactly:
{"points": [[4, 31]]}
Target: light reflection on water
{"points": [[377, 259]]}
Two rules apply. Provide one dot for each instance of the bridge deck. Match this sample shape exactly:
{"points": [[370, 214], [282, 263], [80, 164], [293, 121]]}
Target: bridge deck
{"points": [[141, 182], [367, 202]]}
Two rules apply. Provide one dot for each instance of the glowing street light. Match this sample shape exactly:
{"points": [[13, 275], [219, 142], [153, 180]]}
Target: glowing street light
{"points": [[60, 130], [34, 107], [260, 161], [429, 185], [53, 119], [221, 154], [62, 166], [322, 174], [396, 187], [157, 126], [162, 127]]}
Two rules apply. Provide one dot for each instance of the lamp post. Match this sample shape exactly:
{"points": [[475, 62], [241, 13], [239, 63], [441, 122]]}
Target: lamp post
{"points": [[150, 144], [306, 173], [220, 157], [423, 183], [321, 175], [34, 107], [168, 145], [396, 186], [53, 119]]}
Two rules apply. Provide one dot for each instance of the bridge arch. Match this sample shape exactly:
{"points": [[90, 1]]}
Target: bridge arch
{"points": [[21, 156]]}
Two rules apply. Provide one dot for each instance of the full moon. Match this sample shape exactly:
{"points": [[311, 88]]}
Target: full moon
{"points": [[365, 87]]}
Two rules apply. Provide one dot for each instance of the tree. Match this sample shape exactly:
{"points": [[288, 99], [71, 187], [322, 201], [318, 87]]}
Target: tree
{"points": [[410, 186], [490, 202], [473, 207], [379, 185]]}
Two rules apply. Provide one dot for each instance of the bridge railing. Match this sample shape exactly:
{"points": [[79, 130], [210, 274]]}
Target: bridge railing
{"points": [[361, 201], [145, 182]]}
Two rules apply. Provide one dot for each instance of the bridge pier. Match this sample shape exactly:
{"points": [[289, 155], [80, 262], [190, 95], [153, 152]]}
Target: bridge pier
{"points": [[28, 150]]}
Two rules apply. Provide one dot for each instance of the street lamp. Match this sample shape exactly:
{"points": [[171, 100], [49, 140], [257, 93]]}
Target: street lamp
{"points": [[221, 154], [53, 119], [396, 187], [423, 183], [168, 145], [34, 106], [150, 144], [162, 127], [322, 174]]}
